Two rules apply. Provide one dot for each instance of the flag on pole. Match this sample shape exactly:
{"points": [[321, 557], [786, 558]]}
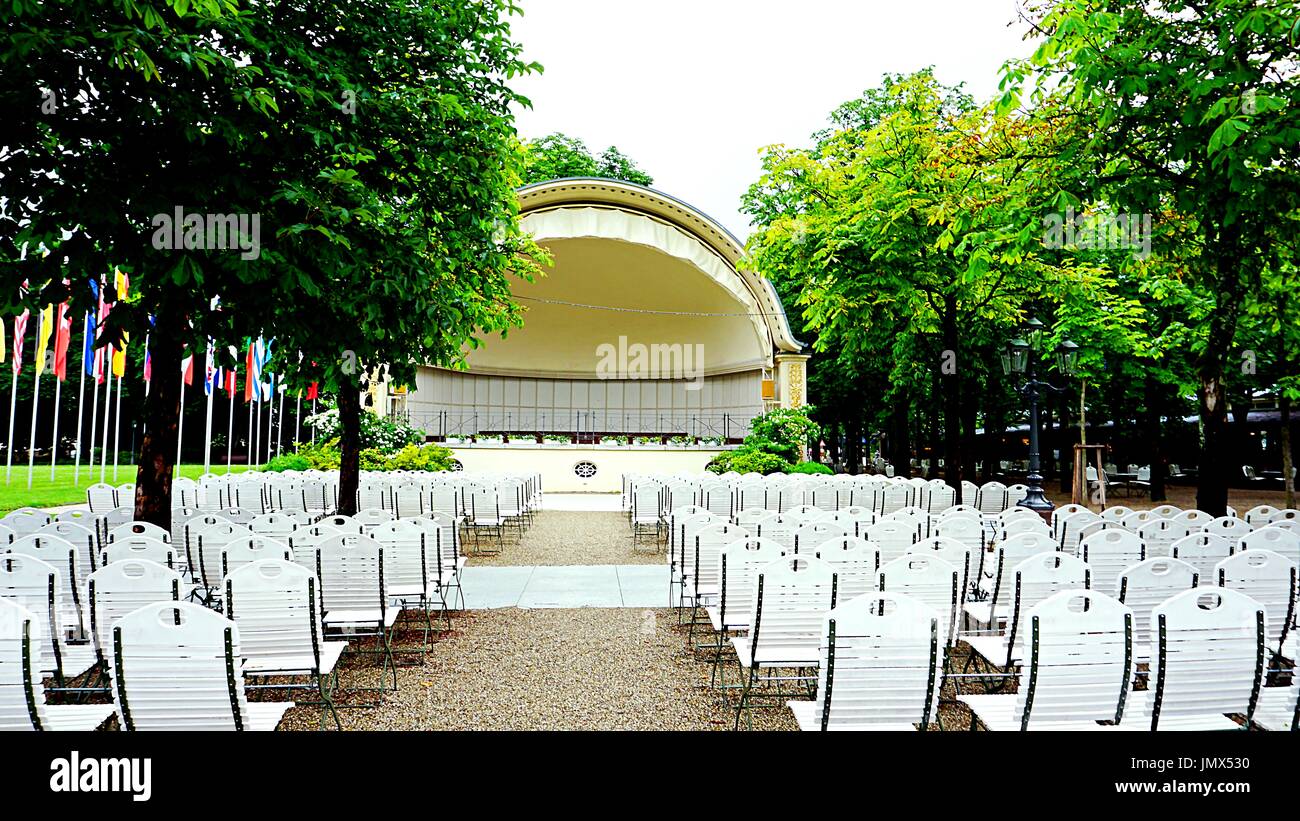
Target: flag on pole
{"points": [[101, 366], [62, 341], [122, 283], [211, 372], [20, 330], [313, 391], [187, 370], [250, 371], [2, 342], [88, 356], [43, 329]]}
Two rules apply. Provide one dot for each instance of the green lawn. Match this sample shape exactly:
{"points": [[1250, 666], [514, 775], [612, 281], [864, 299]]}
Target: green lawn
{"points": [[62, 491]]}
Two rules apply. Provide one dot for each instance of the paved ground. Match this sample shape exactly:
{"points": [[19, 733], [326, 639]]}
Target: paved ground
{"points": [[552, 669], [562, 537]]}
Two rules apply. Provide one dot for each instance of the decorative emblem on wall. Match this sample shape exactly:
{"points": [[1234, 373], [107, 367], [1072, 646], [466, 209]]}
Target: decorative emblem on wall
{"points": [[796, 384], [584, 469]]}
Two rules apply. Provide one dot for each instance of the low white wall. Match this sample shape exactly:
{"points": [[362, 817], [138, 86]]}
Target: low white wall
{"points": [[555, 463]]}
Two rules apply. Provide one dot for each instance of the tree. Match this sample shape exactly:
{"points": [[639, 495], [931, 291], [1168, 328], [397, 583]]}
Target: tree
{"points": [[375, 146], [917, 230], [558, 155], [1192, 108]]}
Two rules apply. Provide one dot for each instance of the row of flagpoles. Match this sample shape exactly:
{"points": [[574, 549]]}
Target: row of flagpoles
{"points": [[102, 364]]}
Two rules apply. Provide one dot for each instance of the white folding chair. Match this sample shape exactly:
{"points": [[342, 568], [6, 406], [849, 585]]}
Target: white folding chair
{"points": [[22, 695], [1148, 583], [176, 666]]}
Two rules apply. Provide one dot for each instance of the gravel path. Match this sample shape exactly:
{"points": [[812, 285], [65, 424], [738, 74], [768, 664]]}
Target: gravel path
{"points": [[560, 537], [587, 669]]}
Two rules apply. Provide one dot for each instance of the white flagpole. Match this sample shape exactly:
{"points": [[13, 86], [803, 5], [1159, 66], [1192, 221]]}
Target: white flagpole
{"points": [[94, 427], [279, 432], [13, 407], [117, 428], [54, 443], [249, 460], [230, 431], [180, 422], [81, 409], [257, 427], [297, 418], [313, 427], [36, 395], [207, 437], [108, 412]]}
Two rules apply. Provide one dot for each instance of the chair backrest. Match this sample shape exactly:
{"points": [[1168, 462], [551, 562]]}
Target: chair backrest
{"points": [[1202, 551], [101, 497], [701, 556], [1069, 529], [930, 579], [964, 530], [881, 660], [1260, 515], [343, 524], [350, 569], [409, 560], [1207, 654], [276, 605], [1146, 584], [1270, 579], [992, 498], [79, 536], [1230, 528], [810, 535], [123, 587], [132, 530], [22, 696], [209, 543], [273, 524], [1022, 524], [1079, 662], [63, 556], [997, 569], [176, 667], [1063, 511], [892, 537], [140, 548], [1116, 513], [409, 499], [1034, 580], [253, 549], [856, 515], [951, 551], [1275, 539], [856, 561], [1108, 552], [738, 566], [791, 597]]}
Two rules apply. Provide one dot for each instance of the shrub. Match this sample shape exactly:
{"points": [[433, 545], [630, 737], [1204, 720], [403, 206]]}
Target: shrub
{"points": [[782, 431], [429, 457], [321, 455], [748, 460], [288, 461], [811, 467], [386, 435]]}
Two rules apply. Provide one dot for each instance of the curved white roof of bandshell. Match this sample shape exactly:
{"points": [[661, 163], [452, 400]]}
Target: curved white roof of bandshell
{"points": [[539, 202]]}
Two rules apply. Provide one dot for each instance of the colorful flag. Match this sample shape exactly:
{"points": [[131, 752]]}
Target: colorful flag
{"points": [[313, 390], [211, 373], [62, 340], [101, 364], [44, 327], [187, 369], [249, 369], [2, 342], [119, 354], [20, 330]]}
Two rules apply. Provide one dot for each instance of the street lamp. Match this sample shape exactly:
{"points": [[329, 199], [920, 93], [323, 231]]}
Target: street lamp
{"points": [[1018, 358]]}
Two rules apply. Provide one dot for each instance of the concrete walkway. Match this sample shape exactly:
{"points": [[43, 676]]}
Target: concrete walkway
{"points": [[604, 585]]}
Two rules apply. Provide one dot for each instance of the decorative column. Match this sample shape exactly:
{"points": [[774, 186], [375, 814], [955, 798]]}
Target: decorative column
{"points": [[792, 379]]}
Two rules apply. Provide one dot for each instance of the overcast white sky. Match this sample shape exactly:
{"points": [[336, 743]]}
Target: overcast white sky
{"points": [[692, 89]]}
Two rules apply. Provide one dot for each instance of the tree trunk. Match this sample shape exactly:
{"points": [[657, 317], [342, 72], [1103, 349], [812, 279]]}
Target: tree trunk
{"points": [[1284, 408], [349, 448], [1065, 446], [951, 401], [1212, 471], [162, 407], [853, 446], [899, 454], [1155, 440]]}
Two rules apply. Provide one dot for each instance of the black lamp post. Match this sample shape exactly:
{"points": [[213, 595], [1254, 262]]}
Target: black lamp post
{"points": [[1018, 358]]}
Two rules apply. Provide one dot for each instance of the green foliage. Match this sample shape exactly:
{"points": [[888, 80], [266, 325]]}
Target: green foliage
{"points": [[386, 435], [812, 467], [748, 459], [323, 454], [558, 155], [288, 461], [782, 431]]}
